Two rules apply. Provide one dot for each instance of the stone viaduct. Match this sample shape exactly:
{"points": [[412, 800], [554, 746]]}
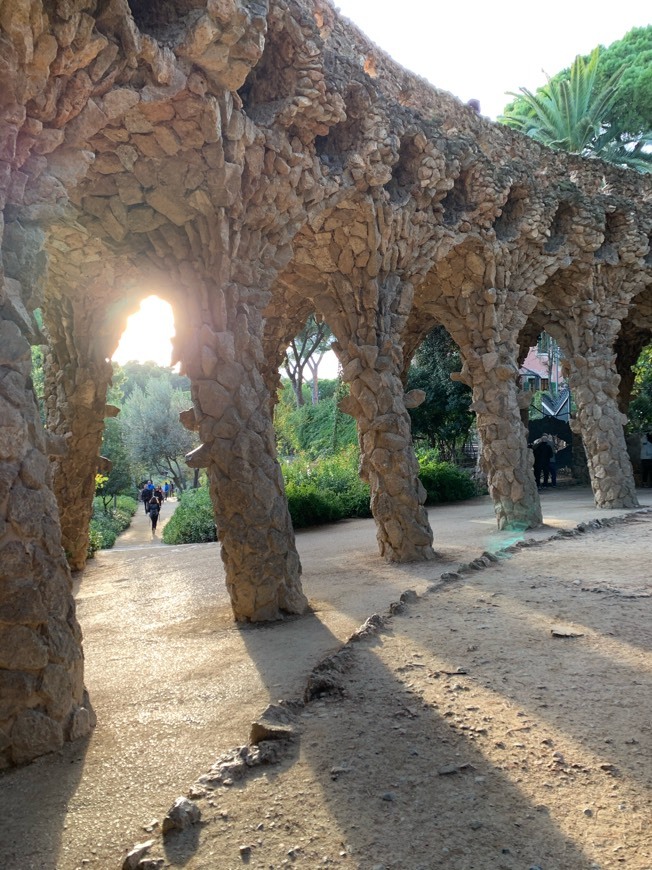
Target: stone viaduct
{"points": [[252, 162]]}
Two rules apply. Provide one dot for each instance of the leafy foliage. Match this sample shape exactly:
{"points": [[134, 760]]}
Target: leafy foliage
{"points": [[319, 491], [307, 350], [107, 523], [640, 407], [443, 481], [153, 434], [136, 375], [119, 479], [632, 109], [326, 489], [580, 110], [193, 522], [445, 419], [315, 430]]}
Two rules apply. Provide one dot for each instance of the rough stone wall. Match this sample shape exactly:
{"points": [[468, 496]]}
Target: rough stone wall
{"points": [[42, 698], [256, 162], [77, 374]]}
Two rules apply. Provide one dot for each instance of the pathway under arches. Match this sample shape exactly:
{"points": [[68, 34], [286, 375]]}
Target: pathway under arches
{"points": [[222, 149]]}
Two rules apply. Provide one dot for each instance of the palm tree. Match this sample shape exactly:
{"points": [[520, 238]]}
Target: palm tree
{"points": [[569, 114]]}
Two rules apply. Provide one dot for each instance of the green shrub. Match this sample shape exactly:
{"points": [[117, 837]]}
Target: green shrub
{"points": [[94, 540], [193, 522], [443, 481], [128, 504], [326, 489], [309, 506], [314, 430], [105, 526], [318, 491]]}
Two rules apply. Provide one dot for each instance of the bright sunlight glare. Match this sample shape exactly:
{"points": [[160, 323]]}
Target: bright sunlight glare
{"points": [[148, 336]]}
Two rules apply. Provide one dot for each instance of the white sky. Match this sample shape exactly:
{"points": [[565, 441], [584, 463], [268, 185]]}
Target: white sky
{"points": [[148, 334], [481, 50], [472, 49]]}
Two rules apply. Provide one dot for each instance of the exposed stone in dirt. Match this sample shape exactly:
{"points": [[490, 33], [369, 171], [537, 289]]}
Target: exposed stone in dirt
{"points": [[463, 735]]}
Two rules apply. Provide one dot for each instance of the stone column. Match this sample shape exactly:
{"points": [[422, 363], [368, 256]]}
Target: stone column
{"points": [[221, 348], [42, 698], [505, 456], [369, 323], [588, 333], [387, 463], [595, 383], [77, 377], [485, 316]]}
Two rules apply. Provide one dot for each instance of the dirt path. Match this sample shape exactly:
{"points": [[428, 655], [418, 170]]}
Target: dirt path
{"points": [[175, 683], [139, 533], [468, 735]]}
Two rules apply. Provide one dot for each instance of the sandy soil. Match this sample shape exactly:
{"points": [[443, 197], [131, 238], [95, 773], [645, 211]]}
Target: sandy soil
{"points": [[462, 734], [471, 731]]}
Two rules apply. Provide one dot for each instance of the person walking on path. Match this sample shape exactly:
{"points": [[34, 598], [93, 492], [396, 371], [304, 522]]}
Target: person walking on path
{"points": [[553, 459], [542, 455], [646, 460], [148, 489], [154, 511]]}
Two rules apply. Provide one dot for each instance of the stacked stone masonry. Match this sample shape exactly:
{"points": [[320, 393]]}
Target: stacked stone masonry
{"points": [[253, 162]]}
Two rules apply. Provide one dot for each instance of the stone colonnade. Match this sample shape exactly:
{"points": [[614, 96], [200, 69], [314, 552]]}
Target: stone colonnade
{"points": [[264, 161]]}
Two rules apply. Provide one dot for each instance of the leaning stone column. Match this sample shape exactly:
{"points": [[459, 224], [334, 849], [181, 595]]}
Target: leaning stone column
{"points": [[77, 377], [588, 336], [388, 462], [485, 316], [594, 383], [42, 696], [222, 353], [504, 457]]}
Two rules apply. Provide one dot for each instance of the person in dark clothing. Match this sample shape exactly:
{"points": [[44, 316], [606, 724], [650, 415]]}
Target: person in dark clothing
{"points": [[542, 455], [147, 495], [154, 511], [646, 460]]}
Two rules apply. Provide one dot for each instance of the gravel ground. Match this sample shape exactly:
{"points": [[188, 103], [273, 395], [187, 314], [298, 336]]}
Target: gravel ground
{"points": [[176, 683]]}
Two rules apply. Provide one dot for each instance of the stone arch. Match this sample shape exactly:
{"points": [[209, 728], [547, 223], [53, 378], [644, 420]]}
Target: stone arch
{"points": [[83, 322], [125, 138], [405, 176], [469, 293], [615, 230], [156, 19], [509, 224], [459, 200], [586, 326], [561, 227]]}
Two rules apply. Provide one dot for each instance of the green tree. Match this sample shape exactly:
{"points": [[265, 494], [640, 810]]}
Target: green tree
{"points": [[307, 350], [640, 407], [153, 435], [632, 109], [119, 480], [444, 419], [38, 368], [137, 374], [313, 430], [116, 392], [577, 111]]}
